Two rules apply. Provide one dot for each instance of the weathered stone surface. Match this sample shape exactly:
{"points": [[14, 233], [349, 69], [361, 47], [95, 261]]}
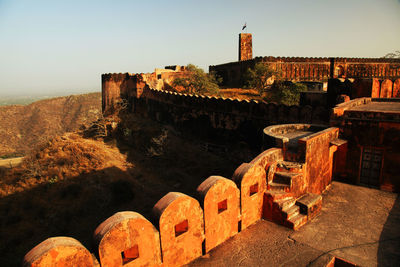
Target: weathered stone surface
{"points": [[315, 151], [128, 239], [386, 89], [181, 225], [59, 251], [252, 181], [221, 199]]}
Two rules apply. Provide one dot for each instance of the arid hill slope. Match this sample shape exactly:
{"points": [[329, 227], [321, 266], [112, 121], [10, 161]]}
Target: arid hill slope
{"points": [[70, 184], [23, 127]]}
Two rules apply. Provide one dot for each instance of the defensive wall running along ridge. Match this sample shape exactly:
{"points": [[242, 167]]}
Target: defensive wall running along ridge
{"points": [[213, 117], [224, 118]]}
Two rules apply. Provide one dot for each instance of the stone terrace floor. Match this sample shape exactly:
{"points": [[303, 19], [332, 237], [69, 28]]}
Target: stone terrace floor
{"points": [[359, 224]]}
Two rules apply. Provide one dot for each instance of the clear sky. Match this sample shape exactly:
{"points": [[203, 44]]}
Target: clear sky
{"points": [[53, 46]]}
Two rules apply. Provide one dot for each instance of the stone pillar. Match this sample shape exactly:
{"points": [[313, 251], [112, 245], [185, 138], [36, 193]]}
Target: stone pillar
{"points": [[245, 46]]}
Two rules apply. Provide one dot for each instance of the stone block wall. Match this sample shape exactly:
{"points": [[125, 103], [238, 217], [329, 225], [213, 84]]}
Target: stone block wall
{"points": [[317, 152], [312, 69], [187, 227], [215, 118]]}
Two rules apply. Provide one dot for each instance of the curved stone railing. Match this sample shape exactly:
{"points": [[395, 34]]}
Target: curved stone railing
{"points": [[282, 134]]}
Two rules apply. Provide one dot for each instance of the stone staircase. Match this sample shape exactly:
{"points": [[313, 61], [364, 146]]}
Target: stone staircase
{"points": [[280, 204], [286, 176]]}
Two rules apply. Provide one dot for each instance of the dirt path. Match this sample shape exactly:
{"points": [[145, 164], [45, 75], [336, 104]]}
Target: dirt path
{"points": [[11, 162]]}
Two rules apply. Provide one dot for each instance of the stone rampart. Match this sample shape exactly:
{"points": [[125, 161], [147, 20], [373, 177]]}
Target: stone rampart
{"points": [[184, 231], [209, 117], [312, 69]]}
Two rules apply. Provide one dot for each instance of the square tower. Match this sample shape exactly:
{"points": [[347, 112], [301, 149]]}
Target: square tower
{"points": [[245, 46]]}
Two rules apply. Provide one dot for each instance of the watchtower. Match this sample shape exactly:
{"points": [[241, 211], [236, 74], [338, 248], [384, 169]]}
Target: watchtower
{"points": [[245, 46]]}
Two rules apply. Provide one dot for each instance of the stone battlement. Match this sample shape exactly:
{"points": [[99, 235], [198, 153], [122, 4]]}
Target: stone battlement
{"points": [[189, 227], [206, 115]]}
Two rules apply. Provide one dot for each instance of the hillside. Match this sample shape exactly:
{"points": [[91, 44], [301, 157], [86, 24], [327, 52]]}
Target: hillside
{"points": [[23, 127], [70, 184]]}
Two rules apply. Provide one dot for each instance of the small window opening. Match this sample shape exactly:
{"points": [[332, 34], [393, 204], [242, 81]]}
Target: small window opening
{"points": [[181, 228], [130, 254], [159, 76], [222, 206], [253, 189]]}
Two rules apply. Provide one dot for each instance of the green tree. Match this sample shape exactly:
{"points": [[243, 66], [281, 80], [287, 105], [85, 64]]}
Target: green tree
{"points": [[261, 77], [198, 81], [395, 54], [268, 82], [287, 93]]}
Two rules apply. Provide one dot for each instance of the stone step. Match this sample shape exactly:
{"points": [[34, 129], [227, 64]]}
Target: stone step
{"points": [[297, 221], [283, 178], [310, 204], [290, 212], [290, 166], [278, 187], [285, 203], [278, 195]]}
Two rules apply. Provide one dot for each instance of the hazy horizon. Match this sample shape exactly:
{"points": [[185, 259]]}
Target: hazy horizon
{"points": [[57, 46]]}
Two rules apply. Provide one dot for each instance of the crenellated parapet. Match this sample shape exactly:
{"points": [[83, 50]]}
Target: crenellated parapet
{"points": [[205, 115], [188, 227]]}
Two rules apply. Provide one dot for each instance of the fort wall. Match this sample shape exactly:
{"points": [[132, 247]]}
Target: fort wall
{"points": [[187, 227], [311, 69], [216, 118]]}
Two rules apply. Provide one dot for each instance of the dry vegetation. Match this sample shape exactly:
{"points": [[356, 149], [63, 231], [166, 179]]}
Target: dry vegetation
{"points": [[23, 127], [240, 93], [70, 184]]}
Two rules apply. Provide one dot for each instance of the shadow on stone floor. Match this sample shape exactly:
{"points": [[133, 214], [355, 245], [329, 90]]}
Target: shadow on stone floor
{"points": [[389, 241]]}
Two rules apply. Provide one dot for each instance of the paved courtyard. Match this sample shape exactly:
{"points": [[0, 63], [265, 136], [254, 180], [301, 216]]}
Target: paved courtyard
{"points": [[359, 224]]}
